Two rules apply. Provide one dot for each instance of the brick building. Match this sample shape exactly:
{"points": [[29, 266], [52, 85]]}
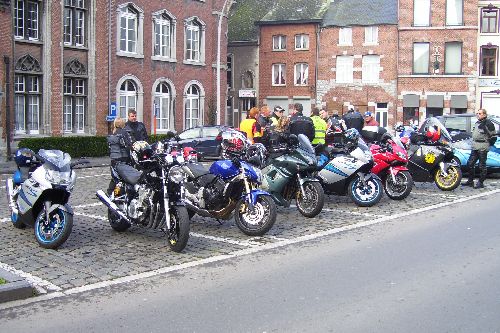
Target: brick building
{"points": [[488, 88], [72, 59], [5, 71], [288, 52], [437, 69], [357, 58]]}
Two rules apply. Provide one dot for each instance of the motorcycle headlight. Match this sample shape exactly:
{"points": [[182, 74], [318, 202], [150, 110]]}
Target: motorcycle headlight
{"points": [[176, 175], [169, 159], [58, 177]]}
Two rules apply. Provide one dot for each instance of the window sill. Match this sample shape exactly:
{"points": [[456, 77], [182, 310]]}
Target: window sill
{"points": [[279, 50], [75, 47], [344, 44], [19, 136], [129, 55], [194, 63], [371, 44], [28, 41], [301, 85], [278, 85], [164, 59], [301, 49], [68, 134]]}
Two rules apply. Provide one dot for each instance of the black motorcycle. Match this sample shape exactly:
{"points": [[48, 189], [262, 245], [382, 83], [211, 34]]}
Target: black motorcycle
{"points": [[431, 156], [151, 197]]}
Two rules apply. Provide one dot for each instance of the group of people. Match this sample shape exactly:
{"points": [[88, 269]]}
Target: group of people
{"points": [[260, 123]]}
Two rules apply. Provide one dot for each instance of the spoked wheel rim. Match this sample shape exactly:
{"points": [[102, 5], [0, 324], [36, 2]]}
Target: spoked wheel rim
{"points": [[255, 217], [365, 193], [399, 186], [449, 180], [49, 232], [307, 204]]}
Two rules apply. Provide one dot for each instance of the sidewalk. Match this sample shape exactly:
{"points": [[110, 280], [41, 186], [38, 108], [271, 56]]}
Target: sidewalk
{"points": [[9, 167]]}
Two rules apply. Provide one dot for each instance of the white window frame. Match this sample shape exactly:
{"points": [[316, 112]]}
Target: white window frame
{"points": [[164, 102], [420, 50], [301, 74], [27, 104], [193, 33], [164, 19], [345, 36], [191, 98], [278, 71], [448, 62], [371, 69], [454, 12], [130, 11], [127, 96], [371, 35], [74, 100], [279, 43], [302, 42], [68, 26], [25, 28], [420, 8], [19, 19], [198, 58], [344, 69]]}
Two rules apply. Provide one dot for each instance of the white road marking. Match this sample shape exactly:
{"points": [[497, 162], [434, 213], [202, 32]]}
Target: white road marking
{"points": [[92, 216], [42, 286], [89, 205], [328, 210], [238, 253], [4, 220], [247, 243], [447, 194], [92, 176]]}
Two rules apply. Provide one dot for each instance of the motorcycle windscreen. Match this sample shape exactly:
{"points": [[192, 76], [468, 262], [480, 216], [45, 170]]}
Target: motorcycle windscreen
{"points": [[305, 144], [57, 159], [434, 124]]}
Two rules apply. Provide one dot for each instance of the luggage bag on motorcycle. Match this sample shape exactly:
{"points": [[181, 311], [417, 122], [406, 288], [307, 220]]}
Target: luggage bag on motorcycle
{"points": [[372, 133]]}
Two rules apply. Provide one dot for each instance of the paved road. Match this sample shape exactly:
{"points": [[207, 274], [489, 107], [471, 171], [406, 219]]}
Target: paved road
{"points": [[432, 271], [96, 256]]}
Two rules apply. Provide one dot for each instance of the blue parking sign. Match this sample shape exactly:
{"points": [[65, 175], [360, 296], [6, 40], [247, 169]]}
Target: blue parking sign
{"points": [[112, 112]]}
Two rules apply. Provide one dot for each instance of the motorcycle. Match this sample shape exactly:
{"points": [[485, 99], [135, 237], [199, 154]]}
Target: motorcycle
{"points": [[38, 194], [231, 186], [390, 159], [346, 169], [431, 156], [151, 197], [290, 174]]}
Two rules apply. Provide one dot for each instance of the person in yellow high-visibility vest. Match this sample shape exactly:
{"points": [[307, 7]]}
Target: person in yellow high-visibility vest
{"points": [[319, 127], [250, 126]]}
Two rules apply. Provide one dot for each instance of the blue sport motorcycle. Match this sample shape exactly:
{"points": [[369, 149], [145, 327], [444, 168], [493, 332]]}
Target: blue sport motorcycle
{"points": [[230, 186]]}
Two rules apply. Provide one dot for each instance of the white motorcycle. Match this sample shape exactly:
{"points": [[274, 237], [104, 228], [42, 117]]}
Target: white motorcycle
{"points": [[38, 194]]}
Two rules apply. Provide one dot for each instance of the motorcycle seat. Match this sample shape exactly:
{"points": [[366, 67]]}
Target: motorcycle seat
{"points": [[128, 173], [197, 169]]}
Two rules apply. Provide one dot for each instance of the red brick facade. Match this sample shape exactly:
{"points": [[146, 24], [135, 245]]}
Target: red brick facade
{"points": [[5, 56]]}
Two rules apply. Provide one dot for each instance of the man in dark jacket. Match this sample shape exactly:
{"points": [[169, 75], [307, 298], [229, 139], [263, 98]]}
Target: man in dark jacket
{"points": [[483, 135], [354, 119], [136, 128], [300, 124]]}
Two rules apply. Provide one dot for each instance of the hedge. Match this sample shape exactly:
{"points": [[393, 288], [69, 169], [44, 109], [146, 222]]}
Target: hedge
{"points": [[76, 146]]}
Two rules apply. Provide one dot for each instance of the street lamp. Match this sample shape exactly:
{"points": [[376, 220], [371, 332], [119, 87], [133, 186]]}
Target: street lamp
{"points": [[219, 32]]}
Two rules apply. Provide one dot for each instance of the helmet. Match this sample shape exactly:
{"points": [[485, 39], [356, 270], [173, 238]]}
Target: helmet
{"points": [[256, 154], [25, 157], [352, 135], [141, 152], [190, 154], [433, 133], [233, 144]]}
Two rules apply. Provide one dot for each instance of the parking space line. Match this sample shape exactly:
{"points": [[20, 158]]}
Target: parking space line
{"points": [[92, 176], [41, 286], [92, 216], [246, 243], [89, 205], [4, 220], [447, 194], [328, 210]]}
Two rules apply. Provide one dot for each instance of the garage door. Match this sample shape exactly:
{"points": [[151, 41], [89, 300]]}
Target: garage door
{"points": [[492, 105], [306, 103]]}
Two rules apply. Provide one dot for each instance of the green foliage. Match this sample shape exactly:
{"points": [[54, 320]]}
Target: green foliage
{"points": [[3, 281], [78, 146]]}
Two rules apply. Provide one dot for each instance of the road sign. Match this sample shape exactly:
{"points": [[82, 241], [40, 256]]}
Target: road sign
{"points": [[112, 109], [110, 118]]}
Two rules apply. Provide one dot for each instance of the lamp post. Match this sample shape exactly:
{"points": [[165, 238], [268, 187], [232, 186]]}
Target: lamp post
{"points": [[219, 33]]}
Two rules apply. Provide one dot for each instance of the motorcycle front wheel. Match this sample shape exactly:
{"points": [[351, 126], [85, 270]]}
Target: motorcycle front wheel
{"points": [[399, 187], [53, 233], [312, 203], [451, 180], [255, 221], [368, 195], [178, 234]]}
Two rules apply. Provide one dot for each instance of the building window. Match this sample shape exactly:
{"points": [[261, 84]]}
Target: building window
{"points": [[27, 97], [74, 105], [195, 41], [454, 12], [453, 58], [279, 43], [488, 61], [344, 71], [371, 69], [371, 35], [27, 19], [74, 22], [301, 77], [163, 107], [129, 30], [192, 106], [382, 114], [489, 20], [421, 13], [164, 36], [345, 36], [420, 58], [302, 42], [279, 74], [229, 71], [127, 97]]}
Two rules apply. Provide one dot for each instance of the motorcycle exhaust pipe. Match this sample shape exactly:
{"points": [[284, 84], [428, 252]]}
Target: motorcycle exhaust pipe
{"points": [[199, 211], [111, 205], [10, 195]]}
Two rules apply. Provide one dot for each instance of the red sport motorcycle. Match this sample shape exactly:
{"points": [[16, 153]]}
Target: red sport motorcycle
{"points": [[391, 161]]}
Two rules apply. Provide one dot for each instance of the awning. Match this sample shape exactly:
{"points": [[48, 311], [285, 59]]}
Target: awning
{"points": [[435, 101], [411, 101], [458, 102]]}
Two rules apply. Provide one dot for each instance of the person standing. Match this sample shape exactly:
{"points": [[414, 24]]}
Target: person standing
{"points": [[300, 124], [264, 116], [277, 114], [369, 120], [483, 135], [136, 128], [250, 126], [319, 127], [353, 119]]}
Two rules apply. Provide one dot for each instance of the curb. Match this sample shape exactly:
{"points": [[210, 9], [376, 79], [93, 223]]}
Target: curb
{"points": [[16, 287]]}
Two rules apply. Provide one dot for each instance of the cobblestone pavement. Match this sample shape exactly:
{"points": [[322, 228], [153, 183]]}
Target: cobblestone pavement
{"points": [[94, 253]]}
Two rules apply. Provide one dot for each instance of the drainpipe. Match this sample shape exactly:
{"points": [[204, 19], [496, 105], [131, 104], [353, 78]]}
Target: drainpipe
{"points": [[109, 60], [316, 67], [6, 61], [219, 33]]}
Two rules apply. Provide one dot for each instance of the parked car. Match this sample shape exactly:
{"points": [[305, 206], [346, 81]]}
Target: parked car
{"points": [[206, 140], [460, 128]]}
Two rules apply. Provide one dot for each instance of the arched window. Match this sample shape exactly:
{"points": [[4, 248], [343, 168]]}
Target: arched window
{"points": [[192, 107], [128, 97], [163, 107]]}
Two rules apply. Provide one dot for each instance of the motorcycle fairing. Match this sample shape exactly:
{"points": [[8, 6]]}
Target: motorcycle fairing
{"points": [[227, 169], [339, 169], [254, 194]]}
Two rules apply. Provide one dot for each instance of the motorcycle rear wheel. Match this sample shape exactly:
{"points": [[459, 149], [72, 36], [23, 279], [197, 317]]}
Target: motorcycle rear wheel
{"points": [[400, 189], [44, 232], [365, 197], [451, 181], [178, 234], [312, 204], [257, 221]]}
